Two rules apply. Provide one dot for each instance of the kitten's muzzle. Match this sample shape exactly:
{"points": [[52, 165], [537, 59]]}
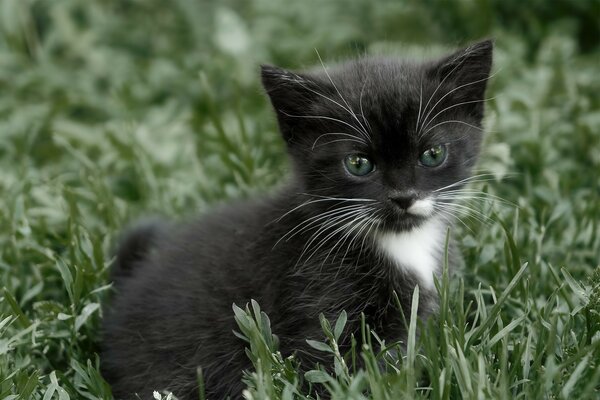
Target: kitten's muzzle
{"points": [[403, 200]]}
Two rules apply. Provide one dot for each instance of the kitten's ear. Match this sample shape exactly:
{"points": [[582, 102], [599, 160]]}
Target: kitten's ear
{"points": [[291, 94], [468, 69]]}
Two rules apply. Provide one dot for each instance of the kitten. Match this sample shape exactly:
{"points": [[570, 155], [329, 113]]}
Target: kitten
{"points": [[374, 145]]}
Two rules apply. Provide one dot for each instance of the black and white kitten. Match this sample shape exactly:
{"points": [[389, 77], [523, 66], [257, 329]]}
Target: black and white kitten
{"points": [[374, 144]]}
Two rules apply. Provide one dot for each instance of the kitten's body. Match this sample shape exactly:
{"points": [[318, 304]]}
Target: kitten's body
{"points": [[313, 247], [182, 315]]}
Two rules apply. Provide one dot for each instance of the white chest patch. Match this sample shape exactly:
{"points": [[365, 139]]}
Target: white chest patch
{"points": [[418, 250]]}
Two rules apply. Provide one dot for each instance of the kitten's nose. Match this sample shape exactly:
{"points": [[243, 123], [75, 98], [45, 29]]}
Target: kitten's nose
{"points": [[403, 199]]}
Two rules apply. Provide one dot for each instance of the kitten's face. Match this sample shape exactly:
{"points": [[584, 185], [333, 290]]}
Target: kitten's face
{"points": [[384, 137]]}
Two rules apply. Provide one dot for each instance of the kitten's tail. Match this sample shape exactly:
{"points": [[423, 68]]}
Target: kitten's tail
{"points": [[135, 245]]}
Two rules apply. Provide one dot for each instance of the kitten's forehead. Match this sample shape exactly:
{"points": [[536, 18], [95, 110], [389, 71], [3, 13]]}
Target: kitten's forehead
{"points": [[402, 99], [385, 92], [376, 79]]}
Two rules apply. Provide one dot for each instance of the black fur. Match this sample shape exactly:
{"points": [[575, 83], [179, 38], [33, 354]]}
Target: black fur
{"points": [[172, 312], [135, 246]]}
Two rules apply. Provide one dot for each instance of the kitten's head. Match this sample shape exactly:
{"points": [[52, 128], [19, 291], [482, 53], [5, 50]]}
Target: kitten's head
{"points": [[388, 135]]}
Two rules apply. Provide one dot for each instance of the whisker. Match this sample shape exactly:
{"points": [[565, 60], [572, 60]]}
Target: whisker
{"points": [[467, 190], [444, 79], [375, 222], [420, 104], [340, 243], [469, 211], [363, 225], [362, 113], [363, 133], [331, 222], [453, 200], [455, 215], [349, 227], [504, 174], [337, 198], [373, 225], [451, 217], [339, 93], [353, 216], [325, 118], [456, 105], [454, 90], [451, 121], [473, 195], [471, 179], [352, 137], [307, 223], [318, 200], [340, 140], [477, 200]]}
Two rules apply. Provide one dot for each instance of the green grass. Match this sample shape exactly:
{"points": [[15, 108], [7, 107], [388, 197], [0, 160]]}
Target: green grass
{"points": [[110, 110]]}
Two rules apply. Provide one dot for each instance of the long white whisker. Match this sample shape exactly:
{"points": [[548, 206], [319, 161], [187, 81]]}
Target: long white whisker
{"points": [[339, 93], [363, 133], [469, 194], [465, 181], [339, 244], [451, 121], [454, 90], [361, 227], [504, 174], [467, 210], [351, 224], [475, 199], [338, 198], [470, 182], [420, 104], [376, 223], [319, 200], [307, 223], [339, 140], [453, 201], [352, 137], [468, 191], [368, 223], [353, 217], [456, 105], [450, 217], [330, 223], [325, 118], [443, 80], [362, 113], [454, 214]]}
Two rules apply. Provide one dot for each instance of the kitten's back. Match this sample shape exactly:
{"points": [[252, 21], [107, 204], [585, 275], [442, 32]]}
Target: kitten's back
{"points": [[172, 311], [135, 246]]}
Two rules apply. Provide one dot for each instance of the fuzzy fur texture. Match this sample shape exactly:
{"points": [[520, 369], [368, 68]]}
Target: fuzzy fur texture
{"points": [[327, 241]]}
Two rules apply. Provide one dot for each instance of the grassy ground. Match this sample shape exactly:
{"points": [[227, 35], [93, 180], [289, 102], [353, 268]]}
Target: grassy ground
{"points": [[114, 109]]}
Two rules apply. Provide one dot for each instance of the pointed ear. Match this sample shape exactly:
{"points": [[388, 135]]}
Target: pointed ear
{"points": [[290, 93], [467, 70]]}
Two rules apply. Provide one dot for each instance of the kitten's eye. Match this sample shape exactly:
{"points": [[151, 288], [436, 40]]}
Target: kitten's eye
{"points": [[435, 156], [358, 165]]}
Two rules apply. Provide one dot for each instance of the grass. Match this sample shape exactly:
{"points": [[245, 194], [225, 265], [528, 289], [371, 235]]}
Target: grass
{"points": [[112, 110]]}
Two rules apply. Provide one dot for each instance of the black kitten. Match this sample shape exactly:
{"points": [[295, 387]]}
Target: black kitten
{"points": [[375, 145]]}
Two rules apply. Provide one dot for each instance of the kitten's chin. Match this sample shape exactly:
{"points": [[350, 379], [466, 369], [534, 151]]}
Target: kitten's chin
{"points": [[404, 222]]}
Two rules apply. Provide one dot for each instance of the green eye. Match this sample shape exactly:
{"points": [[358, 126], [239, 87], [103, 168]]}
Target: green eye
{"points": [[435, 156], [358, 165]]}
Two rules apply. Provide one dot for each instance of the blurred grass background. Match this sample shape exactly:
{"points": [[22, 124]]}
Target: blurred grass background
{"points": [[114, 109]]}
